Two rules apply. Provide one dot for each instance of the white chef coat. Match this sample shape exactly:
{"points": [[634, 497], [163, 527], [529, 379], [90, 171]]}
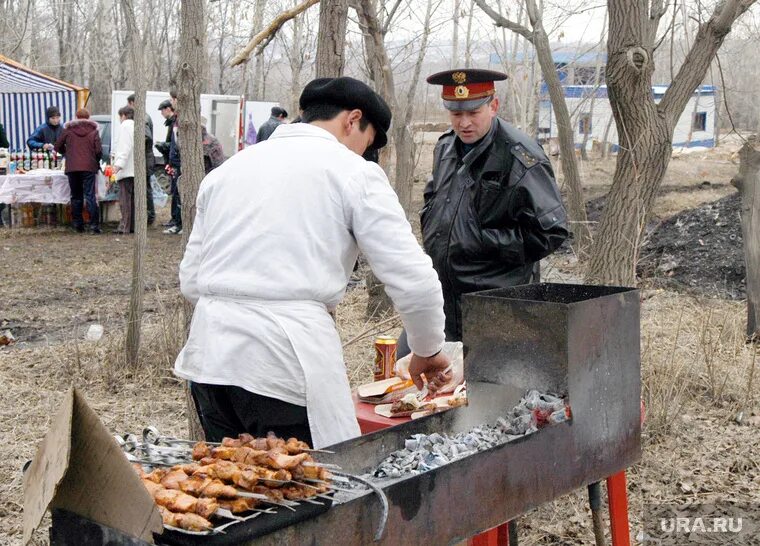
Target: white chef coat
{"points": [[277, 230]]}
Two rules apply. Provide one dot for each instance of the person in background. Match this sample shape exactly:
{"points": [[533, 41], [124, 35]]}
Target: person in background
{"points": [[3, 144], [275, 120], [492, 206], [174, 170], [167, 111], [3, 138], [124, 167], [150, 161], [213, 154], [46, 135], [80, 143]]}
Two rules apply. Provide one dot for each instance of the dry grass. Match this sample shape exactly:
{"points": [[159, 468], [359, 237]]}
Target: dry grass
{"points": [[697, 372]]}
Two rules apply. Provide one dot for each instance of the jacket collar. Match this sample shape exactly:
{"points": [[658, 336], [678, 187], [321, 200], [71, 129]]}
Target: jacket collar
{"points": [[288, 130], [450, 151]]}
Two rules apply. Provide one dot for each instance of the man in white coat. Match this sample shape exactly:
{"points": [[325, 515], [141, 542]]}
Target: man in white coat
{"points": [[277, 230]]}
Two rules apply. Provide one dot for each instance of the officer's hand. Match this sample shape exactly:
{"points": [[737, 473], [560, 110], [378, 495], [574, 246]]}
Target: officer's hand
{"points": [[433, 368]]}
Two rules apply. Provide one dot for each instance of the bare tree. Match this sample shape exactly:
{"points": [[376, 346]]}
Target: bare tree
{"points": [[135, 313], [645, 128], [747, 181], [331, 40], [190, 80], [539, 38]]}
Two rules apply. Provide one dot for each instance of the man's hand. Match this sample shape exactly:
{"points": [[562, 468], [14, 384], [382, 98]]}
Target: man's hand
{"points": [[433, 367], [47, 147]]}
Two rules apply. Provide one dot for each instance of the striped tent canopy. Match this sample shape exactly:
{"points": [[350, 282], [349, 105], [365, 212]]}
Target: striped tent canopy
{"points": [[25, 95]]}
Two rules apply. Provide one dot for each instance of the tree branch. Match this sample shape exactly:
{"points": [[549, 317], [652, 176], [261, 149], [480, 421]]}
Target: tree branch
{"points": [[388, 19], [269, 32], [501, 21], [709, 38]]}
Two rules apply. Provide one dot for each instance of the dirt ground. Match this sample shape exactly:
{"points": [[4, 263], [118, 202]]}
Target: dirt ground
{"points": [[697, 373]]}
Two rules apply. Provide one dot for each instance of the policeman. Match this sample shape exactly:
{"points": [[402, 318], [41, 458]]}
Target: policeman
{"points": [[492, 207]]}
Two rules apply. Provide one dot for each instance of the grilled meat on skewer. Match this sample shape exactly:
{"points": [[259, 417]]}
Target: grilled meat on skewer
{"points": [[292, 446], [178, 501], [238, 505], [242, 474], [274, 458], [173, 479], [189, 522]]}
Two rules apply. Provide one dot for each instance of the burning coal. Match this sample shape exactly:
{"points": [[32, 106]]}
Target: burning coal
{"points": [[423, 452]]}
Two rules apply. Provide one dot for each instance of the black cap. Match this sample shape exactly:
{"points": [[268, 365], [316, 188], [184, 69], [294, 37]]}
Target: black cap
{"points": [[277, 112], [51, 112], [165, 104], [350, 94]]}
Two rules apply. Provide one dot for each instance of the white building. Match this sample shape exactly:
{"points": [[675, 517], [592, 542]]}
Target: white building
{"points": [[695, 127]]}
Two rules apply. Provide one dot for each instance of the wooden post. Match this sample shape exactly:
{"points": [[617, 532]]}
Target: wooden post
{"points": [[747, 181]]}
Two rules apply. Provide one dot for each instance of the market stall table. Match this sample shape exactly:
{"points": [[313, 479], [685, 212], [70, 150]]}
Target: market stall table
{"points": [[47, 187]]}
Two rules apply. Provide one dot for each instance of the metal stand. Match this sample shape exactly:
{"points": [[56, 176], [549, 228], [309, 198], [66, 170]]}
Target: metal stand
{"points": [[618, 499], [498, 536], [595, 503]]}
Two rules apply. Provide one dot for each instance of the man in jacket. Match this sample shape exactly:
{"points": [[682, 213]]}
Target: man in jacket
{"points": [[46, 135], [80, 143], [492, 207], [213, 153], [3, 138], [275, 120], [3, 144], [174, 170], [150, 161], [271, 252]]}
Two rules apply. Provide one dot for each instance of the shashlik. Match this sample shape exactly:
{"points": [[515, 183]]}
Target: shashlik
{"points": [[188, 495], [183, 520]]}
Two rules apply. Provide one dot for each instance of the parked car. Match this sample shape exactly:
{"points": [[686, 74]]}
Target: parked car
{"points": [[104, 123]]}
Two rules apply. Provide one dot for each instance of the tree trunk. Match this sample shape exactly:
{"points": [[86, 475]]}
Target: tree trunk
{"points": [[191, 77], [748, 184], [331, 40], [134, 315], [258, 25], [645, 129], [576, 202], [455, 62]]}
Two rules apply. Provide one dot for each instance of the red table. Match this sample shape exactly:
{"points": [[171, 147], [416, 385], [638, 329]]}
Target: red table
{"points": [[369, 421]]}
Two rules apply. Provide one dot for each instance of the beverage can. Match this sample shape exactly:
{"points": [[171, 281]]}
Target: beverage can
{"points": [[385, 357]]}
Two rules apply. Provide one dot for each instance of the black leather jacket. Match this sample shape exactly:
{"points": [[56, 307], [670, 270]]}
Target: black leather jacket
{"points": [[489, 215]]}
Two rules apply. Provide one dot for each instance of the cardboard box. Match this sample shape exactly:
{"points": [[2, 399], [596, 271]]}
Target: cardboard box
{"points": [[79, 467]]}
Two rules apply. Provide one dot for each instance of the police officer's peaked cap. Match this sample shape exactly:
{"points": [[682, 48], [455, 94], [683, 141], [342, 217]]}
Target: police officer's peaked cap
{"points": [[466, 89], [350, 94]]}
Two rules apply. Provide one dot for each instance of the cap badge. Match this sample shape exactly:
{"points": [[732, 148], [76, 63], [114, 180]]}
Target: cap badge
{"points": [[459, 77], [461, 92]]}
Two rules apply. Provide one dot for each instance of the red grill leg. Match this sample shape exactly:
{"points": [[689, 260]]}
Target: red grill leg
{"points": [[618, 497], [498, 536]]}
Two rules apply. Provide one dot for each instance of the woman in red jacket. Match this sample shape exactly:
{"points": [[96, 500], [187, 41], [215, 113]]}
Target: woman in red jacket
{"points": [[80, 143]]}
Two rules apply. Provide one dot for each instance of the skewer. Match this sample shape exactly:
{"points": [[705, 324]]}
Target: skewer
{"points": [[328, 466], [383, 500]]}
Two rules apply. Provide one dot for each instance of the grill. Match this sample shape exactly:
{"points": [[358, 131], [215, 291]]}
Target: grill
{"points": [[575, 340]]}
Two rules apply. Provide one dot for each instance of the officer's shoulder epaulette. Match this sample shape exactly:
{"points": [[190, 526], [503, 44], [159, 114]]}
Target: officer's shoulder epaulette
{"points": [[524, 156]]}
